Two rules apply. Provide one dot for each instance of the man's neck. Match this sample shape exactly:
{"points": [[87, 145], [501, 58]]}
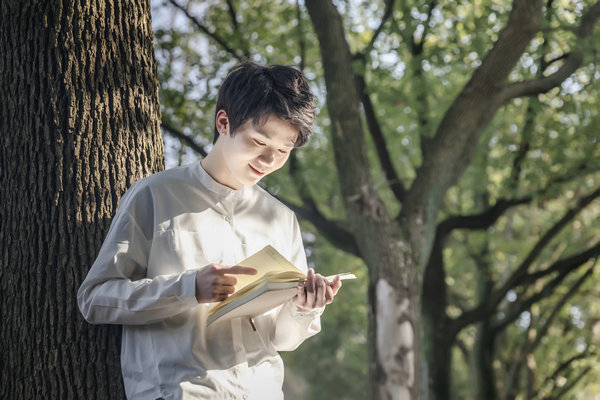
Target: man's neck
{"points": [[215, 167]]}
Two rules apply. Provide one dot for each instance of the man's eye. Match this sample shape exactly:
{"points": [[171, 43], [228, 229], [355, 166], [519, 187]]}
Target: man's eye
{"points": [[258, 142], [283, 151]]}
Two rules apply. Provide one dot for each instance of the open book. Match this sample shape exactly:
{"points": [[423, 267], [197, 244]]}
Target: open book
{"points": [[274, 284]]}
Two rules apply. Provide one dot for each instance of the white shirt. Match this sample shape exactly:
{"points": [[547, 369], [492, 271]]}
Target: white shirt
{"points": [[167, 227]]}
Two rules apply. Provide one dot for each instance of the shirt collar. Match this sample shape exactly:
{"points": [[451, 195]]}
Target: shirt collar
{"points": [[221, 190]]}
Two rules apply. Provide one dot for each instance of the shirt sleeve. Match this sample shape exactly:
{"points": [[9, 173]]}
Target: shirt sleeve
{"points": [[293, 326], [116, 289]]}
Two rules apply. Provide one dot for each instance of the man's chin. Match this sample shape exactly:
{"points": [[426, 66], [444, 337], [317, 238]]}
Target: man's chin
{"points": [[251, 181]]}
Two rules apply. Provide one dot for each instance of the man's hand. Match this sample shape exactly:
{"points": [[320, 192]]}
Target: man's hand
{"points": [[215, 282], [316, 292]]}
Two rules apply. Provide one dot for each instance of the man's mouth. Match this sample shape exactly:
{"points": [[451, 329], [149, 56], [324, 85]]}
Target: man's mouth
{"points": [[257, 172]]}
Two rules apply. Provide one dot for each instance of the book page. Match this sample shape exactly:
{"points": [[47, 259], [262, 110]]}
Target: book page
{"points": [[265, 261]]}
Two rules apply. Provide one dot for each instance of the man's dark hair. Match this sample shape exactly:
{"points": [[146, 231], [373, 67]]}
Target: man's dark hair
{"points": [[254, 92]]}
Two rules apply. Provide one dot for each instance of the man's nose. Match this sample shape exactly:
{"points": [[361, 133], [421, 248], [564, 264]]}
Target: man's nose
{"points": [[267, 157]]}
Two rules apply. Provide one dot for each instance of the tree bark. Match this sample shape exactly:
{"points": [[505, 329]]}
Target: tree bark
{"points": [[79, 122]]}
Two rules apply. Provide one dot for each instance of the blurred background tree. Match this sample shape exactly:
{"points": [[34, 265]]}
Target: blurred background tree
{"points": [[469, 142]]}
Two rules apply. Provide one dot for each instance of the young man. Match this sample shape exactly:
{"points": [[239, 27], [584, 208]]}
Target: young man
{"points": [[174, 245]]}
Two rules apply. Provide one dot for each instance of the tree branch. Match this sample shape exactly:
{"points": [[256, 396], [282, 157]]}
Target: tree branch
{"points": [[520, 273], [363, 204], [417, 47], [300, 31], [546, 291], [565, 264], [588, 21], [387, 13], [301, 186], [570, 385], [236, 27], [378, 137], [544, 46], [580, 170], [542, 85], [564, 365], [334, 232], [458, 133], [482, 220], [464, 349], [541, 332], [524, 146], [184, 138], [563, 267], [546, 64], [232, 15], [572, 61], [420, 85], [401, 32], [548, 320], [568, 362], [488, 217], [207, 31]]}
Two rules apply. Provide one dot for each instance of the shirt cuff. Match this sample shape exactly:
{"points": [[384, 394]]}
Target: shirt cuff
{"points": [[297, 312], [188, 288]]}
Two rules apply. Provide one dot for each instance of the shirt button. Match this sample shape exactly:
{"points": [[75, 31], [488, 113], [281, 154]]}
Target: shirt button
{"points": [[226, 218]]}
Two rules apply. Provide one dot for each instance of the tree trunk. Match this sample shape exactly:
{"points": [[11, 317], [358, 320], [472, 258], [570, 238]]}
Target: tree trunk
{"points": [[485, 337], [79, 122], [395, 305], [483, 359], [438, 336], [394, 287]]}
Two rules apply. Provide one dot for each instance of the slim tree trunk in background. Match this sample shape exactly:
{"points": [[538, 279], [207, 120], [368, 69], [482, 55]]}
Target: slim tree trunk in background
{"points": [[485, 335], [79, 122]]}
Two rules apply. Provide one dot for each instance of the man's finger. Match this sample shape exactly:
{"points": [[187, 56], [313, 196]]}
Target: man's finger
{"points": [[336, 284], [223, 290], [301, 296], [239, 269], [310, 280], [226, 280], [219, 297], [321, 286], [329, 295]]}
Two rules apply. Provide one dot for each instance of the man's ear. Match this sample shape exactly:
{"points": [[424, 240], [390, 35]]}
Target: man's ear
{"points": [[222, 122]]}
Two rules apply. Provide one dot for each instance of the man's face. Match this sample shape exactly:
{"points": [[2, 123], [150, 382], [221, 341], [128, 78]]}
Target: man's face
{"points": [[255, 151]]}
